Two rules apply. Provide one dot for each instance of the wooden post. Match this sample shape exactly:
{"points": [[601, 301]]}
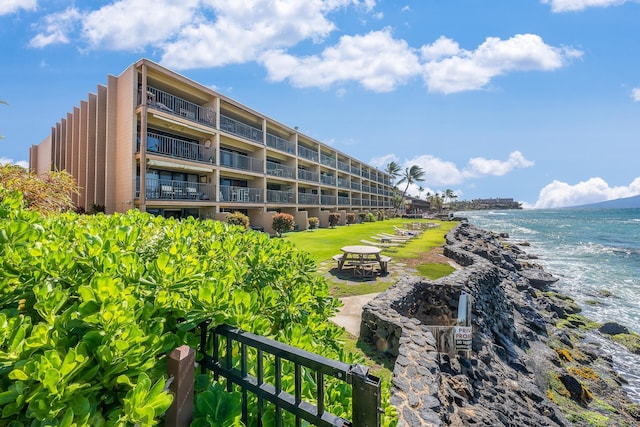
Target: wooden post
{"points": [[180, 366]]}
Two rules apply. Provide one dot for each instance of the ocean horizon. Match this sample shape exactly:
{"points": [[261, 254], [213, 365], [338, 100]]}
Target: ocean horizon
{"points": [[595, 253]]}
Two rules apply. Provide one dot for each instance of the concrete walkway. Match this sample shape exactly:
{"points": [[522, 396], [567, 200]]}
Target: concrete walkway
{"points": [[349, 315]]}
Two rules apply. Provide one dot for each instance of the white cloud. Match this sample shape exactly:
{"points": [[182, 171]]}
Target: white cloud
{"points": [[243, 31], [376, 60], [635, 94], [479, 166], [458, 70], [575, 5], [7, 161], [11, 6], [134, 24], [57, 28], [382, 162], [213, 33], [561, 194]]}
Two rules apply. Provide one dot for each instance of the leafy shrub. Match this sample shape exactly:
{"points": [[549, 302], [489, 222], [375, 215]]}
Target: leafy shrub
{"points": [[370, 217], [282, 223], [362, 216], [238, 218], [314, 222], [91, 305], [334, 217], [351, 218], [380, 215]]}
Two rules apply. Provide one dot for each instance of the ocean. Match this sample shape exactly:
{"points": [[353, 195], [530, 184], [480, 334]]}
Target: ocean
{"points": [[596, 255]]}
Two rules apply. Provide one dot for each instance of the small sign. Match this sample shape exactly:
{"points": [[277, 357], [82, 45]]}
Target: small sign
{"points": [[462, 337]]}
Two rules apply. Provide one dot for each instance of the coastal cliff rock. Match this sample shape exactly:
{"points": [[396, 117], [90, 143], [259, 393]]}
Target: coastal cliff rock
{"points": [[534, 361]]}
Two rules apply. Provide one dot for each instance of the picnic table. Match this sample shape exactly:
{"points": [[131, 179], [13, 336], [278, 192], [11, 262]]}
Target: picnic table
{"points": [[363, 258]]}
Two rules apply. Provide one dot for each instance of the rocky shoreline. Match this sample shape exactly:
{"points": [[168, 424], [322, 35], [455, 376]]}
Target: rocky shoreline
{"points": [[534, 361]]}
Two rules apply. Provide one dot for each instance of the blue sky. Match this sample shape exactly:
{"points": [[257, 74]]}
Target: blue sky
{"points": [[538, 100]]}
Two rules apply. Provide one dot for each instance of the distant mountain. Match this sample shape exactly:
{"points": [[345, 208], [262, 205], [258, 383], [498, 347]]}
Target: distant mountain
{"points": [[625, 203]]}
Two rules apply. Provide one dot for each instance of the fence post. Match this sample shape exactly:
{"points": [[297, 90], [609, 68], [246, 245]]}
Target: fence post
{"points": [[365, 397], [180, 366]]}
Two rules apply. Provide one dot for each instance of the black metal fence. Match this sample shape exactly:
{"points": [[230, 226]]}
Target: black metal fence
{"points": [[218, 347]]}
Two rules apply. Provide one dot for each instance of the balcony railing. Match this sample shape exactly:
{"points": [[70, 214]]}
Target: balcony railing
{"points": [[328, 179], [343, 166], [165, 189], [355, 171], [307, 153], [307, 176], [229, 193], [356, 201], [278, 196], [355, 186], [280, 170], [327, 200], [177, 106], [280, 144], [365, 174], [342, 200], [327, 160], [178, 148], [308, 199], [235, 127], [366, 202], [240, 161], [366, 189], [343, 183]]}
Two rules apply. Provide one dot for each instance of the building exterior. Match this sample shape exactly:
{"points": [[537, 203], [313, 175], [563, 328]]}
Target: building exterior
{"points": [[154, 140]]}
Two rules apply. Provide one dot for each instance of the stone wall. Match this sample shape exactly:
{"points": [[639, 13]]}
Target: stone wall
{"points": [[523, 364]]}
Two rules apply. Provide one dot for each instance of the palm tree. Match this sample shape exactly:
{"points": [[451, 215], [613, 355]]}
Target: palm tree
{"points": [[448, 195], [420, 190], [411, 175], [393, 169]]}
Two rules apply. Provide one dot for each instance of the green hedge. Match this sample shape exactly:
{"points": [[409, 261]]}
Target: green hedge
{"points": [[91, 305]]}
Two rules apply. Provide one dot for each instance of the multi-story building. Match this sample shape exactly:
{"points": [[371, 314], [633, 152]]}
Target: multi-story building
{"points": [[154, 140]]}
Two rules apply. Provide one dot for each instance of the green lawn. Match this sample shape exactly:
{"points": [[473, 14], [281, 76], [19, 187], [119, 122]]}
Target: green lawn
{"points": [[323, 243]]}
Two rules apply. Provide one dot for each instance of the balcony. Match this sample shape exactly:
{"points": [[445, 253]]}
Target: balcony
{"points": [[240, 161], [164, 101], [307, 153], [355, 186], [278, 196], [342, 200], [307, 176], [327, 160], [308, 199], [366, 189], [163, 189], [355, 171], [365, 174], [229, 193], [343, 183], [279, 170], [280, 144], [327, 200], [235, 127], [356, 201], [328, 179], [343, 166], [178, 148]]}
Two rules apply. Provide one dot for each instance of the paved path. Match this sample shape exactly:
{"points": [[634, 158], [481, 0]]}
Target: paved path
{"points": [[349, 315]]}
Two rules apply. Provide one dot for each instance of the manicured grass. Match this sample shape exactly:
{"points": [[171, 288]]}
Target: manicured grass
{"points": [[323, 243], [434, 271]]}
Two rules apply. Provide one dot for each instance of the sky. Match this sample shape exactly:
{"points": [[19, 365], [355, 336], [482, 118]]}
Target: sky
{"points": [[535, 100]]}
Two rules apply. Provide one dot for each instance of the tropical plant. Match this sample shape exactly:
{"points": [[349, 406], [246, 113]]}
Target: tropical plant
{"points": [[282, 223], [351, 218], [393, 169], [50, 193], [90, 305], [314, 222], [238, 218], [410, 176], [334, 218]]}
